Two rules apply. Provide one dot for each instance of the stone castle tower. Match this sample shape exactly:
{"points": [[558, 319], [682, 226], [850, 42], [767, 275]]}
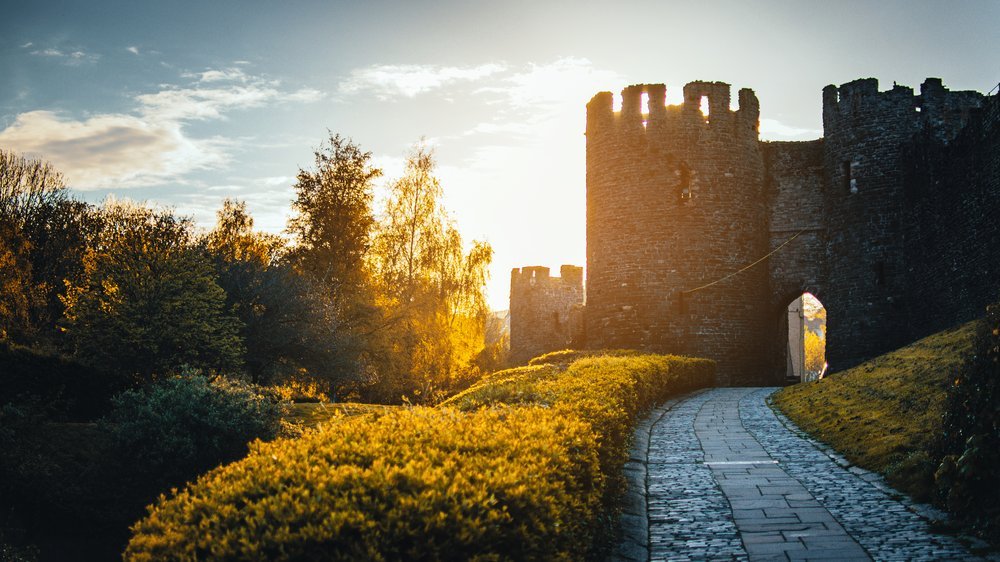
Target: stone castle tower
{"points": [[675, 200], [547, 312], [699, 235]]}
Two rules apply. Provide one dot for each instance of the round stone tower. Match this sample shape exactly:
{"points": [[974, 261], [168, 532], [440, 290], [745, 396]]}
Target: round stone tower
{"points": [[675, 208]]}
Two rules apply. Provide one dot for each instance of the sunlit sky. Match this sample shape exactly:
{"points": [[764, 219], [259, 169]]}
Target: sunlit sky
{"points": [[186, 103]]}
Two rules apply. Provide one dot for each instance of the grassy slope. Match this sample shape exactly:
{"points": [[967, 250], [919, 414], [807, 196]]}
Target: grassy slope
{"points": [[885, 414]]}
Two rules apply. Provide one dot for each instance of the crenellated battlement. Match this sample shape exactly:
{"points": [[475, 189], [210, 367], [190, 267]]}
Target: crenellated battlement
{"points": [[644, 107], [859, 105], [537, 275], [546, 312]]}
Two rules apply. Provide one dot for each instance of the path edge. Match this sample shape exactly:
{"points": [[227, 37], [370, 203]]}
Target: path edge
{"points": [[633, 545], [932, 515]]}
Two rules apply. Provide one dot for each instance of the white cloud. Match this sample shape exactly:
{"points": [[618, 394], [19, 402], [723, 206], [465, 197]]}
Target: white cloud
{"points": [[305, 95], [410, 80], [26, 45], [48, 53], [147, 146], [76, 57], [497, 128], [203, 103], [272, 181], [219, 75], [133, 49], [566, 82], [111, 150]]}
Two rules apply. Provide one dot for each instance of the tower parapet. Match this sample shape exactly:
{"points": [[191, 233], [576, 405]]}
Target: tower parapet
{"points": [[859, 105], [545, 311], [644, 109]]}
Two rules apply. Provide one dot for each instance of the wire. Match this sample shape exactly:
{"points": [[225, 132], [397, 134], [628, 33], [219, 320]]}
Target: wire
{"points": [[735, 273]]}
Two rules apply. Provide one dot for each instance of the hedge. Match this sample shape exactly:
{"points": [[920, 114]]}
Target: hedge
{"points": [[570, 355], [525, 465]]}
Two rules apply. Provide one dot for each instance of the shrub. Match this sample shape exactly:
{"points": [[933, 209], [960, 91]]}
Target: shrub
{"points": [[71, 391], [967, 479], [526, 465], [610, 393], [415, 483], [566, 356], [178, 428]]}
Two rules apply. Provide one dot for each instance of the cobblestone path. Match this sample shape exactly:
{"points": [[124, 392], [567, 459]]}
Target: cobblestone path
{"points": [[717, 475]]}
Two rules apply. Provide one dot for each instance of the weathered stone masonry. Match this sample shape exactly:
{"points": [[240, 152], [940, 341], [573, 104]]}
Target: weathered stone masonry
{"points": [[890, 217], [545, 312]]}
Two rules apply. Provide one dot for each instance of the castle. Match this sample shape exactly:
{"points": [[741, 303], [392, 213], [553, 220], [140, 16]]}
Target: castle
{"points": [[699, 234]]}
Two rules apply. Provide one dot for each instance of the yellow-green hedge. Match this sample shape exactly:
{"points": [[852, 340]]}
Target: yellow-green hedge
{"points": [[570, 355], [526, 465]]}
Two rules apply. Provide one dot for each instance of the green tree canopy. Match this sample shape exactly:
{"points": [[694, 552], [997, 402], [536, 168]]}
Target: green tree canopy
{"points": [[289, 325], [149, 303], [333, 222]]}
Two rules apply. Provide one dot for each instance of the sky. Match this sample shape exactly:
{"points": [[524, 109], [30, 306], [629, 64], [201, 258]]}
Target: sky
{"points": [[184, 104]]}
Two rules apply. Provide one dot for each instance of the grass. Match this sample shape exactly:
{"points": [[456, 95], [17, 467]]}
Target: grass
{"points": [[885, 414]]}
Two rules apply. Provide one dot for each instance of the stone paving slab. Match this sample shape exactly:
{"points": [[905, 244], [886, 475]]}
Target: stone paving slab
{"points": [[718, 475], [882, 522]]}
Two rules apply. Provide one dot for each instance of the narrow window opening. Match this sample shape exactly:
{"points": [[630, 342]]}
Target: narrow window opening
{"points": [[850, 182], [684, 182], [704, 107], [555, 320], [644, 103]]}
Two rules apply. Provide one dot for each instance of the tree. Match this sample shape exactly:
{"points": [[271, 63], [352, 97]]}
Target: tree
{"points": [[290, 327], [334, 220], [149, 303], [815, 346], [430, 290], [234, 240], [43, 234]]}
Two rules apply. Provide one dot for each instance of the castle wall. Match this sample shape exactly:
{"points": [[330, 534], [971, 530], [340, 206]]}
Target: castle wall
{"points": [[953, 228], [545, 312], [866, 209], [797, 236]]}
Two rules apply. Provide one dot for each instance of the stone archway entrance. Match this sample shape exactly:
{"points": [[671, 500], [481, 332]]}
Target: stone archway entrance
{"points": [[805, 341]]}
